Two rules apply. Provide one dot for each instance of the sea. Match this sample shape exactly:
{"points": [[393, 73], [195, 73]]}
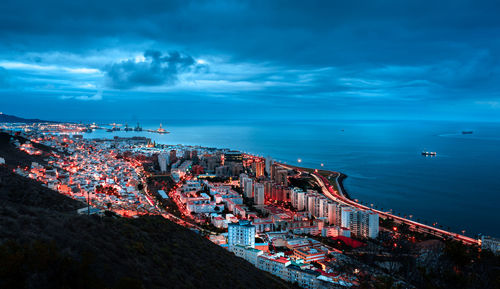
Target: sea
{"points": [[457, 190]]}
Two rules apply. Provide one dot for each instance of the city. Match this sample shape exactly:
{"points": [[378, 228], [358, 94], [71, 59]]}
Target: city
{"points": [[295, 223], [256, 144]]}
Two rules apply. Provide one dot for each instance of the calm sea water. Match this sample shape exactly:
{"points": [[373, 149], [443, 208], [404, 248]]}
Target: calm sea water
{"points": [[459, 188]]}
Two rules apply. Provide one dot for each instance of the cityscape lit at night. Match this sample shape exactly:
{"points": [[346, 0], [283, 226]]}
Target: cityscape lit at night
{"points": [[249, 144]]}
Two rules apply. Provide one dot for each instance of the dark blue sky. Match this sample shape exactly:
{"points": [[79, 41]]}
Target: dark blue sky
{"points": [[84, 60]]}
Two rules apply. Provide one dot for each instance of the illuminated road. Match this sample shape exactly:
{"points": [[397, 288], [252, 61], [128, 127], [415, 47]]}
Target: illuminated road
{"points": [[332, 194]]}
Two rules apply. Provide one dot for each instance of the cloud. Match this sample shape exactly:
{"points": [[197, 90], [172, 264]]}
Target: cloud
{"points": [[151, 70], [94, 97], [4, 81]]}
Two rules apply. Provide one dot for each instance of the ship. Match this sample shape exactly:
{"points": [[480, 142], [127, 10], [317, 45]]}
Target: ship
{"points": [[138, 128], [161, 130], [114, 128], [467, 132], [128, 128], [425, 153]]}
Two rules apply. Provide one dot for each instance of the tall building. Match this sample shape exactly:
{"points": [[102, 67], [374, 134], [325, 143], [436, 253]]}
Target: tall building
{"points": [[269, 163], [248, 187], [323, 207], [242, 178], [268, 189], [258, 168], [241, 233], [298, 198], [311, 202], [361, 223], [334, 213], [163, 161], [259, 194], [173, 156], [370, 225], [281, 177]]}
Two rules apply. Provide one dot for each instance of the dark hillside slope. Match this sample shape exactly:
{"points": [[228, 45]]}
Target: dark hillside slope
{"points": [[15, 157], [44, 244]]}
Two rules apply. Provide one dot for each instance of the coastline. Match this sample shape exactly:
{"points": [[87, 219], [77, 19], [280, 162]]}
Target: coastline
{"points": [[341, 177]]}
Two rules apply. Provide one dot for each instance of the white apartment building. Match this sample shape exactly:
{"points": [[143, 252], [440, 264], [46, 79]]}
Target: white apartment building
{"points": [[241, 233], [259, 194]]}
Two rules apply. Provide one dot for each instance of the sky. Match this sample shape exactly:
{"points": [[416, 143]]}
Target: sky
{"points": [[120, 60]]}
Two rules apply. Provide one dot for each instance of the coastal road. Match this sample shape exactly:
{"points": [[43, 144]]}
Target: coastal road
{"points": [[340, 197]]}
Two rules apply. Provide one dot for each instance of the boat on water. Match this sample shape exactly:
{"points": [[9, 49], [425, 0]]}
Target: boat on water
{"points": [[127, 128], [426, 153], [467, 132], [138, 128], [160, 130]]}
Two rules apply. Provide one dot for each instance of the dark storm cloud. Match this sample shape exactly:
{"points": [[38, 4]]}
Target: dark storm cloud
{"points": [[267, 52], [154, 69]]}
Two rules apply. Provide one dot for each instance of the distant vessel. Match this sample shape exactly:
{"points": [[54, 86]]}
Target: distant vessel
{"points": [[425, 153], [160, 130], [114, 128], [467, 132], [128, 128], [138, 128]]}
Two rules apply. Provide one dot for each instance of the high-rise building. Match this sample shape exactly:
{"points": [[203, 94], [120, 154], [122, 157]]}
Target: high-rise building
{"points": [[269, 163], [322, 207], [281, 176], [259, 194], [311, 200], [298, 198], [268, 189], [163, 161], [248, 187], [361, 223], [258, 168], [242, 178], [370, 225], [334, 213], [173, 156], [242, 233]]}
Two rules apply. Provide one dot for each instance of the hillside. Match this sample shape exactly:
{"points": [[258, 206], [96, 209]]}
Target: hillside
{"points": [[15, 119], [45, 244], [15, 157]]}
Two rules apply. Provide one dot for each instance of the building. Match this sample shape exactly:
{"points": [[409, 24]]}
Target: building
{"points": [[305, 278], [248, 253], [273, 264], [259, 194], [360, 223], [248, 187], [298, 198], [281, 176], [258, 168], [492, 244], [241, 233], [163, 161], [173, 156], [309, 254], [334, 213], [233, 156], [269, 163]]}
